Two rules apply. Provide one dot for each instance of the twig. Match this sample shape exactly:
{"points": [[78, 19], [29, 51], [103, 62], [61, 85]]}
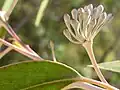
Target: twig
{"points": [[88, 46], [52, 49], [21, 50]]}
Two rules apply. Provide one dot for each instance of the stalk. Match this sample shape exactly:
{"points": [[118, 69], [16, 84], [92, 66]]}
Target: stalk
{"points": [[88, 47], [98, 83], [21, 50], [52, 49]]}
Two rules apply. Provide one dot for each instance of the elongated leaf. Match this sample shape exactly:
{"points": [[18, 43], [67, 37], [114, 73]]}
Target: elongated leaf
{"points": [[9, 6], [40, 13], [110, 66], [27, 74]]}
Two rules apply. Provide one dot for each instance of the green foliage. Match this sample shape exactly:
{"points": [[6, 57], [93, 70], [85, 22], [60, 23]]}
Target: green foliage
{"points": [[110, 66], [51, 86], [7, 5], [22, 20], [44, 74], [41, 12]]}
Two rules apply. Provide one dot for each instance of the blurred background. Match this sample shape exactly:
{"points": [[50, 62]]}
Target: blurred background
{"points": [[106, 44]]}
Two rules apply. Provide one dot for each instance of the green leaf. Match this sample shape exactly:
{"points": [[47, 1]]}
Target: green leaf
{"points": [[110, 66], [40, 13], [55, 85], [9, 6], [47, 74]]}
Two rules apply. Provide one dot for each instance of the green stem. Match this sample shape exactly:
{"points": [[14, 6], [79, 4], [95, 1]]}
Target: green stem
{"points": [[88, 46]]}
